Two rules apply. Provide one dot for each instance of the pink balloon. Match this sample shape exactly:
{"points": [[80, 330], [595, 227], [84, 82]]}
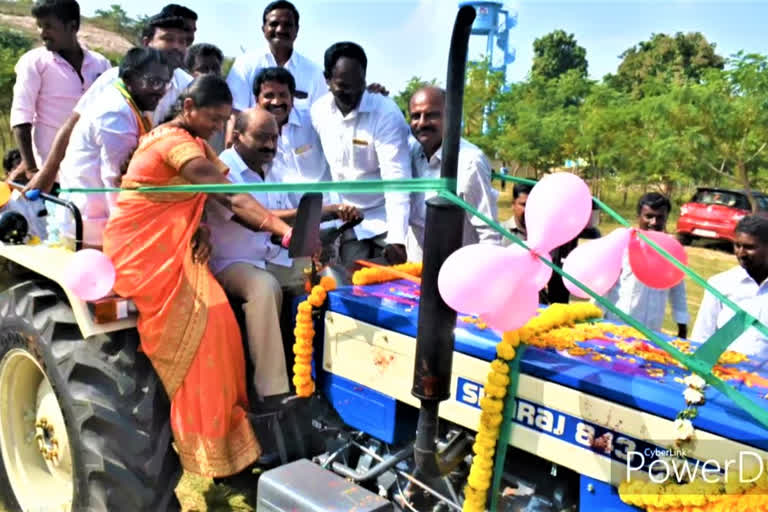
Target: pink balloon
{"points": [[541, 273], [479, 277], [650, 267], [90, 275], [557, 210], [463, 279], [597, 263], [515, 311]]}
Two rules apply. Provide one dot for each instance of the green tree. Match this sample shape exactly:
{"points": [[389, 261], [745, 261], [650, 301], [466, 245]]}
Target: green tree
{"points": [[665, 59], [538, 120], [404, 97], [556, 53], [482, 90], [12, 46], [116, 19], [734, 118]]}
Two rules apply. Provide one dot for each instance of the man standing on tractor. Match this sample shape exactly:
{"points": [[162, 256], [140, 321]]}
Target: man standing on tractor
{"points": [[427, 110], [280, 28], [746, 285], [364, 137], [168, 35], [250, 267], [49, 82]]}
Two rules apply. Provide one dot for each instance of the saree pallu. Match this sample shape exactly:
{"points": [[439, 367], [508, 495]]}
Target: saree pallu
{"points": [[186, 325]]}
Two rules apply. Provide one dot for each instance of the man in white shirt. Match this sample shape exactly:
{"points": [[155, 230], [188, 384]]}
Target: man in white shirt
{"points": [[104, 139], [364, 137], [168, 35], [426, 111], [641, 302], [746, 285], [49, 81], [280, 28], [299, 157], [246, 263]]}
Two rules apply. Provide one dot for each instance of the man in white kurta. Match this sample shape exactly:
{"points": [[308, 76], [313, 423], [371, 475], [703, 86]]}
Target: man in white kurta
{"points": [[426, 110], [364, 137], [746, 285], [280, 28], [299, 157], [103, 140], [245, 262]]}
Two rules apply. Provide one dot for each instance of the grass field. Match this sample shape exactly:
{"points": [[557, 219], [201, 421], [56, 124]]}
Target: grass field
{"points": [[200, 494]]}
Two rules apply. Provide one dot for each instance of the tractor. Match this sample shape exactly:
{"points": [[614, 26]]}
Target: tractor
{"points": [[84, 419]]}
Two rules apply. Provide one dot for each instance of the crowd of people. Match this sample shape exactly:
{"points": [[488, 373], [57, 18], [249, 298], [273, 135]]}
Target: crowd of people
{"points": [[165, 116]]}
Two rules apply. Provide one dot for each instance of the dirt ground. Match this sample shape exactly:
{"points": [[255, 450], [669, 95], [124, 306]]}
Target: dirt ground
{"points": [[91, 36]]}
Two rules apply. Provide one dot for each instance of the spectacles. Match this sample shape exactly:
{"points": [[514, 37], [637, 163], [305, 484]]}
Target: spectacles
{"points": [[156, 83]]}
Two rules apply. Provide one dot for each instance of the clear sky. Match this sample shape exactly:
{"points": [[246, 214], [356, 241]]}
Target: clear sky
{"points": [[405, 38]]}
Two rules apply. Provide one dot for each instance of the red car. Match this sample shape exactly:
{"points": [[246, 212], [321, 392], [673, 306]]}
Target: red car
{"points": [[714, 212]]}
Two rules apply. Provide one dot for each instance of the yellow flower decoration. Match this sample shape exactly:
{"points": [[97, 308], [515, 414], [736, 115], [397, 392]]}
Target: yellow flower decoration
{"points": [[541, 331], [376, 275], [304, 333]]}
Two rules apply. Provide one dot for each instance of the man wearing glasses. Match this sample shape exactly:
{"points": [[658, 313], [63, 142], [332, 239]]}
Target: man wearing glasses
{"points": [[104, 139]]}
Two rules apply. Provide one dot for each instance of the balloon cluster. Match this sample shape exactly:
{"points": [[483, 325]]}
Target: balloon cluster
{"points": [[501, 284]]}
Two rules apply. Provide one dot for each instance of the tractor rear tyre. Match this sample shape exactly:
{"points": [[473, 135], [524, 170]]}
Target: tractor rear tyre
{"points": [[85, 423]]}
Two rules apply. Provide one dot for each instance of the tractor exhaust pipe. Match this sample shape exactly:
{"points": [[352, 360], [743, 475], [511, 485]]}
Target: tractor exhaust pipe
{"points": [[443, 235]]}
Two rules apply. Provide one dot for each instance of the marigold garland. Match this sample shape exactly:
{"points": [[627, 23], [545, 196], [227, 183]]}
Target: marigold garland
{"points": [[305, 334], [536, 331], [697, 495], [377, 275]]}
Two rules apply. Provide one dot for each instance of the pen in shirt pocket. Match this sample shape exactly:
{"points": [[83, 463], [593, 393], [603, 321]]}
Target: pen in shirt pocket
{"points": [[359, 142], [302, 149]]}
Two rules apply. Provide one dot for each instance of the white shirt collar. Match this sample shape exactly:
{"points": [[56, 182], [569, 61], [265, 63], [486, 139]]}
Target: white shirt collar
{"points": [[239, 167], [293, 117], [743, 277], [366, 105], [273, 61]]}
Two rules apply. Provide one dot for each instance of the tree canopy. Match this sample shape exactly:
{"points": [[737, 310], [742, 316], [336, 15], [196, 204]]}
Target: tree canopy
{"points": [[675, 113], [557, 53]]}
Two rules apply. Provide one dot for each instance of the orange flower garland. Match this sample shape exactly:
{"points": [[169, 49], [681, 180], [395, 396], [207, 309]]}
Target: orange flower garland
{"points": [[377, 275], [535, 332], [305, 334]]}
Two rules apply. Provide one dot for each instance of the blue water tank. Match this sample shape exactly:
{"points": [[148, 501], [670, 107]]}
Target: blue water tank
{"points": [[486, 18]]}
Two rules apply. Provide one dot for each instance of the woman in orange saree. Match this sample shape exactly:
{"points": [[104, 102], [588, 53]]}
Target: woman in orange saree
{"points": [[159, 250]]}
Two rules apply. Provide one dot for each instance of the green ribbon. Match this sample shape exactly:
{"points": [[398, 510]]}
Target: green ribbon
{"points": [[708, 352], [345, 187], [691, 362], [510, 409], [718, 343]]}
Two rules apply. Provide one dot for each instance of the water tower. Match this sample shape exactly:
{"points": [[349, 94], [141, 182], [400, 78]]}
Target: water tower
{"points": [[494, 22]]}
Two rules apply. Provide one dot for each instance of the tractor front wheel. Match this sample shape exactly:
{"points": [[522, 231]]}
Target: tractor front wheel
{"points": [[84, 422]]}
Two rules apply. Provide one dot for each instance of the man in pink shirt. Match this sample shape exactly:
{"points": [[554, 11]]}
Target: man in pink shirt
{"points": [[49, 81]]}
